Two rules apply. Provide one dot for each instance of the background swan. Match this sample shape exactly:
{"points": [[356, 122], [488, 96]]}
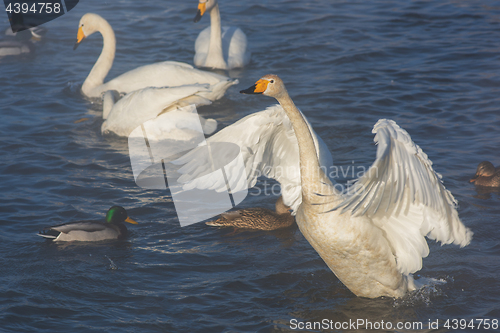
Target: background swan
{"points": [[142, 105], [162, 74], [216, 46], [269, 148], [374, 237]]}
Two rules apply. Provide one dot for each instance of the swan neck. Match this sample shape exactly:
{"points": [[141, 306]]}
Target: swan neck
{"points": [[310, 172], [104, 62], [215, 57]]}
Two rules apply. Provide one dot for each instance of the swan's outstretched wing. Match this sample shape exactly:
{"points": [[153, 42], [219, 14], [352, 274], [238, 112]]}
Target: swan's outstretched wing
{"points": [[404, 196], [268, 147]]}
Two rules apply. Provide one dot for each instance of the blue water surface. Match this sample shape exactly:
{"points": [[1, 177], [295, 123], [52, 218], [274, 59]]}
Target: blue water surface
{"points": [[431, 66]]}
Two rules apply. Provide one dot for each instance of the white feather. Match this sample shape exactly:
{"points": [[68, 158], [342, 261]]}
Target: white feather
{"points": [[268, 147], [405, 197]]}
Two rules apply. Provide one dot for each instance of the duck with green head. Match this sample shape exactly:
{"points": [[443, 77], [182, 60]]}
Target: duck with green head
{"points": [[91, 231]]}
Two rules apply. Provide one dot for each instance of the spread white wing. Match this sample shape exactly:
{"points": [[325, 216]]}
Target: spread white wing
{"points": [[404, 196], [269, 148]]}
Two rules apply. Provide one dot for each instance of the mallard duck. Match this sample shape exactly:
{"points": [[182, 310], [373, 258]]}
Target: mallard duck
{"points": [[256, 218], [373, 236], [91, 231], [216, 46], [161, 74], [486, 175]]}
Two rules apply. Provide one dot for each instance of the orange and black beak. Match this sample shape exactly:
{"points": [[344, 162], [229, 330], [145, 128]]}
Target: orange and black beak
{"points": [[79, 37], [258, 88], [202, 7], [474, 178]]}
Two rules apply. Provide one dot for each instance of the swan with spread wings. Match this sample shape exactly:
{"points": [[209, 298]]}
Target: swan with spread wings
{"points": [[373, 236]]}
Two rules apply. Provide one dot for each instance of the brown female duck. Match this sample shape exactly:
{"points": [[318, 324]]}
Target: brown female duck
{"points": [[256, 218], [486, 175]]}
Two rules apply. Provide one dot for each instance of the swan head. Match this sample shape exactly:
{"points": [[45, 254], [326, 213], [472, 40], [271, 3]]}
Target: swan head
{"points": [[484, 169], [89, 23], [269, 85], [204, 6]]}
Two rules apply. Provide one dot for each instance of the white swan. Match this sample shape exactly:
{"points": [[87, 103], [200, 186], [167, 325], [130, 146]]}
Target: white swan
{"points": [[377, 239], [142, 105], [269, 148], [162, 74], [216, 46]]}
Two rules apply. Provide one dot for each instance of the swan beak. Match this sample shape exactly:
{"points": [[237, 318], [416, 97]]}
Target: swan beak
{"points": [[79, 37], [258, 88], [202, 7], [129, 220]]}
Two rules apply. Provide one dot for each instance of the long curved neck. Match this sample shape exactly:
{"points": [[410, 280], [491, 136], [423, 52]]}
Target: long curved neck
{"points": [[313, 180], [104, 62], [215, 57]]}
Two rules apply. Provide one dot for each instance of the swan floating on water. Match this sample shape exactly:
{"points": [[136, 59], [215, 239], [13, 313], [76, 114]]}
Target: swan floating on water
{"points": [[91, 231], [162, 74], [216, 46], [373, 238], [137, 107]]}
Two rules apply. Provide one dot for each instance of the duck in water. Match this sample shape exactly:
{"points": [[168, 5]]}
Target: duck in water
{"points": [[486, 175], [91, 231], [257, 218]]}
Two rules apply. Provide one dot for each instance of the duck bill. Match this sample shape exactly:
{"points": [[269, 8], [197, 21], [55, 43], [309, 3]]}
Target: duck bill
{"points": [[202, 7], [258, 88], [79, 38], [129, 220], [473, 179]]}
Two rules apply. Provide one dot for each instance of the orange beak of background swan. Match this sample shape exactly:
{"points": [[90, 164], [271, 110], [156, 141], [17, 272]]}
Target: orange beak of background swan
{"points": [[202, 7], [258, 88], [79, 37]]}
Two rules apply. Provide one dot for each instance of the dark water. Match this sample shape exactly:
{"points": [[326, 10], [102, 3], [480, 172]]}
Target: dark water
{"points": [[432, 66]]}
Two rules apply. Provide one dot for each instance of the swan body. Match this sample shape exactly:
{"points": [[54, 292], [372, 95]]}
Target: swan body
{"points": [[373, 237], [269, 148], [91, 231], [137, 107], [219, 47], [162, 74], [486, 175], [257, 218]]}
